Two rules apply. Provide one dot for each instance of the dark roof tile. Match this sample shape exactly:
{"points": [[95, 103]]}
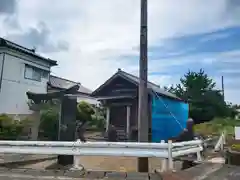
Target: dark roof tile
{"points": [[12, 45], [62, 83], [154, 87], [134, 79]]}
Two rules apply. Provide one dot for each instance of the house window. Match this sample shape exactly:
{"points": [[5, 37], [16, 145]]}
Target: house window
{"points": [[45, 74], [34, 73]]}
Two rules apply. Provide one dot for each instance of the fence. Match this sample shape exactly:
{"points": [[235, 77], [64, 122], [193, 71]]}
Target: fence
{"points": [[221, 142], [166, 151]]}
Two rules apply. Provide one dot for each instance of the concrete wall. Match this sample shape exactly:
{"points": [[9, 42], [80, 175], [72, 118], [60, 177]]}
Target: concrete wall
{"points": [[13, 99]]}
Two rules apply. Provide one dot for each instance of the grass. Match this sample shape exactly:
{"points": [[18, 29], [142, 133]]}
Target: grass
{"points": [[236, 147], [216, 126]]}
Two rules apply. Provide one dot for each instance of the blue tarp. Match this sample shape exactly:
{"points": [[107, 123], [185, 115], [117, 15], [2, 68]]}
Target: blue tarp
{"points": [[164, 125]]}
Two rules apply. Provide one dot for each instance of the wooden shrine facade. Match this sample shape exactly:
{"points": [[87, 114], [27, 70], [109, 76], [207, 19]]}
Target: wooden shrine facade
{"points": [[119, 95]]}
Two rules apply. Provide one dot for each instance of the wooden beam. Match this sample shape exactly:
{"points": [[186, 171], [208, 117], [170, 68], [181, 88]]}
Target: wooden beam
{"points": [[120, 104], [128, 121], [107, 118]]}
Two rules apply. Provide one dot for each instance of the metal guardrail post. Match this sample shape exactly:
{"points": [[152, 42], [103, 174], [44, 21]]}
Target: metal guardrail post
{"points": [[170, 157], [224, 137], [164, 162], [220, 142], [199, 156], [76, 162]]}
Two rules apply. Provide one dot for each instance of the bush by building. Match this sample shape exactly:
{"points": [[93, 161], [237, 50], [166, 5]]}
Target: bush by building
{"points": [[10, 129]]}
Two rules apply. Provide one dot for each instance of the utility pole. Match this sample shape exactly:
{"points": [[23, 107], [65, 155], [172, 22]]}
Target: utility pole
{"points": [[223, 89], [143, 93]]}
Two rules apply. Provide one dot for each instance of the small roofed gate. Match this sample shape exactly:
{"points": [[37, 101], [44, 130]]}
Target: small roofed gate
{"points": [[169, 117]]}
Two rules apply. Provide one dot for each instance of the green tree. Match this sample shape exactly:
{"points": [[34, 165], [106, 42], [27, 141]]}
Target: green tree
{"points": [[49, 122], [193, 85], [98, 119], [85, 111], [205, 101]]}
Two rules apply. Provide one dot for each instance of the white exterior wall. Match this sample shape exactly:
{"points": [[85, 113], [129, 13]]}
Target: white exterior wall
{"points": [[13, 98]]}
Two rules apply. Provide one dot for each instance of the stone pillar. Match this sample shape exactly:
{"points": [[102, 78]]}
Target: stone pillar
{"points": [[107, 118], [35, 121], [128, 121], [67, 126]]}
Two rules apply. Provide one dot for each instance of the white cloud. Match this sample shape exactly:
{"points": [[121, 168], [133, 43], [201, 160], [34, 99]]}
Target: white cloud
{"points": [[215, 36], [99, 31]]}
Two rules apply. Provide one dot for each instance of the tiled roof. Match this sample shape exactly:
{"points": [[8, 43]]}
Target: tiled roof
{"points": [[62, 83], [134, 79], [154, 87], [12, 45]]}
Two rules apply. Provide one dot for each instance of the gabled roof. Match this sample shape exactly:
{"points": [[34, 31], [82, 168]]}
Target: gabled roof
{"points": [[134, 79], [61, 83], [14, 46]]}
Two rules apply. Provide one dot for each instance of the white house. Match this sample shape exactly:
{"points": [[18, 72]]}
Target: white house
{"points": [[22, 70]]}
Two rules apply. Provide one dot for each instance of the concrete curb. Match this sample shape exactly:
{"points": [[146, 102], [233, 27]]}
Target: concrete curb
{"points": [[25, 162]]}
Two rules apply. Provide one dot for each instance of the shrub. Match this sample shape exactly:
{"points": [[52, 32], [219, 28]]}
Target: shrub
{"points": [[10, 129], [98, 122], [50, 115], [49, 124], [85, 112], [235, 147]]}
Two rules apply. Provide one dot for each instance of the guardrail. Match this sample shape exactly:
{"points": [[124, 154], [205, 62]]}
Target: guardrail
{"points": [[221, 142], [166, 151]]}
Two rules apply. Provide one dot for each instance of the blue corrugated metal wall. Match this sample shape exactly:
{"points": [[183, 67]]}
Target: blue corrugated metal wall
{"points": [[164, 125]]}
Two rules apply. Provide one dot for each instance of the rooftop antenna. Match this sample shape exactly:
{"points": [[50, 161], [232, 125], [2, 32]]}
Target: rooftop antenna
{"points": [[34, 49]]}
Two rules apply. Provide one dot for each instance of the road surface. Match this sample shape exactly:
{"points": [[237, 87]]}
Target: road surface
{"points": [[11, 158], [31, 174], [206, 171]]}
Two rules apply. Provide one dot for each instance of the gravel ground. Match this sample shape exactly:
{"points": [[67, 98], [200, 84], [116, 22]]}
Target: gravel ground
{"points": [[7, 158], [101, 163], [40, 165], [121, 164]]}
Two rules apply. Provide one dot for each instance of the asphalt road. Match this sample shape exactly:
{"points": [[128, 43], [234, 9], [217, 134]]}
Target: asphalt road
{"points": [[206, 171], [27, 174]]}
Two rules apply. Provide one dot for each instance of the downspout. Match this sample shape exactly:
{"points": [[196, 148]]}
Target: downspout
{"points": [[1, 75]]}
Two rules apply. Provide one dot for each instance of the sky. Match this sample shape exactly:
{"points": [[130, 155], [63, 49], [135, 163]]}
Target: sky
{"points": [[91, 39]]}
